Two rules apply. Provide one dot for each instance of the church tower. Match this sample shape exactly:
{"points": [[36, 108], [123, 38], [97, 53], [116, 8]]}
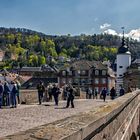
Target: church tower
{"points": [[123, 62]]}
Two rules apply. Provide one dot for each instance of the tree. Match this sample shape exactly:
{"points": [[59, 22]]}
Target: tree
{"points": [[33, 60], [41, 60]]}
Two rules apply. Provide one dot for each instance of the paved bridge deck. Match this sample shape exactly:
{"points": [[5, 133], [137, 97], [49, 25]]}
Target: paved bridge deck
{"points": [[25, 117]]}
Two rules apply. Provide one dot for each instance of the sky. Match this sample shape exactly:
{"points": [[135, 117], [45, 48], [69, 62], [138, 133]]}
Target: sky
{"points": [[75, 17]]}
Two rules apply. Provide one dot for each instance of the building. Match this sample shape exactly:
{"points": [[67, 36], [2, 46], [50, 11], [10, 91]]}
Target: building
{"points": [[46, 74], [123, 62], [87, 74], [29, 71], [132, 76]]}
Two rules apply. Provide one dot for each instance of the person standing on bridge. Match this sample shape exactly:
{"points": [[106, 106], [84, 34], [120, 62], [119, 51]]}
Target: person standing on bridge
{"points": [[55, 93], [104, 92], [113, 93], [41, 90], [122, 91], [1, 93], [70, 96]]}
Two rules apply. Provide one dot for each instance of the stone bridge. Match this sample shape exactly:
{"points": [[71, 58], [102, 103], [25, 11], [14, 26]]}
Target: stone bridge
{"points": [[116, 120]]}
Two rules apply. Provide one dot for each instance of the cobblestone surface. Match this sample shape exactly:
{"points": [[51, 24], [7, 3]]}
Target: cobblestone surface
{"points": [[25, 117]]}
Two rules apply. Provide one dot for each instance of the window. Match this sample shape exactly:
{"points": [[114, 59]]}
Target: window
{"points": [[120, 66], [70, 73], [103, 80], [89, 81], [96, 72], [78, 72], [76, 81], [83, 72], [96, 80], [120, 75], [63, 73], [103, 72]]}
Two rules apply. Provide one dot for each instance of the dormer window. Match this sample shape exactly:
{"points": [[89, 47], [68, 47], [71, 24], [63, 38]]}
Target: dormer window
{"points": [[63, 73], [103, 72], [96, 72], [83, 72]]}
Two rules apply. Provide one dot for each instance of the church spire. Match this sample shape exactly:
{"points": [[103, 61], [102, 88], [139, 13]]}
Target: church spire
{"points": [[123, 39], [123, 48]]}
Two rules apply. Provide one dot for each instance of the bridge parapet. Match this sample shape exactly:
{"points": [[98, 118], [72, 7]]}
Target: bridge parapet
{"points": [[117, 120]]}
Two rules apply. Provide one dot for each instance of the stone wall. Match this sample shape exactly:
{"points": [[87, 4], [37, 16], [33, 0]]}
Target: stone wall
{"points": [[31, 96], [28, 96]]}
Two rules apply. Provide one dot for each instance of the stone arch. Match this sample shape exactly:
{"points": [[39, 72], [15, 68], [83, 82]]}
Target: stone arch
{"points": [[133, 136]]}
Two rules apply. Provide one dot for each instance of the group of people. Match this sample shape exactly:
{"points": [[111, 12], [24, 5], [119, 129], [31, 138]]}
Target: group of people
{"points": [[91, 93], [54, 92], [69, 93], [112, 93], [9, 94]]}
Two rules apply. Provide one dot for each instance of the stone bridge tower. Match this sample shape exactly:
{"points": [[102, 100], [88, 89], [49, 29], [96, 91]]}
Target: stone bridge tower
{"points": [[123, 62]]}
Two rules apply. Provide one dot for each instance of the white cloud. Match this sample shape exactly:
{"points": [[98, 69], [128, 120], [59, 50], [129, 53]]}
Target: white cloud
{"points": [[134, 34], [110, 31], [105, 26]]}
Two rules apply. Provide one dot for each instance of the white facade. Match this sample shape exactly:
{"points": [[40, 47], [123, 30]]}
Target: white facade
{"points": [[123, 61]]}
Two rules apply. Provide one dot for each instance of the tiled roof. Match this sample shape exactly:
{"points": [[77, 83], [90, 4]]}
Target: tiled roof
{"points": [[33, 69], [86, 65]]}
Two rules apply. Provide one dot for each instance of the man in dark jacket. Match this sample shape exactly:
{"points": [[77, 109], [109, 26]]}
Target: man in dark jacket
{"points": [[41, 90], [122, 91], [7, 93], [55, 93], [70, 98], [113, 93], [1, 93], [104, 92], [13, 93]]}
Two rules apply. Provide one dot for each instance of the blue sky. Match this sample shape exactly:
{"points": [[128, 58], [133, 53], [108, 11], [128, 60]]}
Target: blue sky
{"points": [[74, 17]]}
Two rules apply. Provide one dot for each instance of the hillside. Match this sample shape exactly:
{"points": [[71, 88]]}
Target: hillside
{"points": [[34, 48]]}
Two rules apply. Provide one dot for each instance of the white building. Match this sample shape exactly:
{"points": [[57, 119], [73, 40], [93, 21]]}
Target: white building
{"points": [[123, 62]]}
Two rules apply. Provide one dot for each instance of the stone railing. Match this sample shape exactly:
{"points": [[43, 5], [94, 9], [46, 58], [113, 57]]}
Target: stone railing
{"points": [[31, 96], [28, 96], [109, 122]]}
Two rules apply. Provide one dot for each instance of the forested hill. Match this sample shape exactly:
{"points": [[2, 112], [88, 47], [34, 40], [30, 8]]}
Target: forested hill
{"points": [[33, 47]]}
